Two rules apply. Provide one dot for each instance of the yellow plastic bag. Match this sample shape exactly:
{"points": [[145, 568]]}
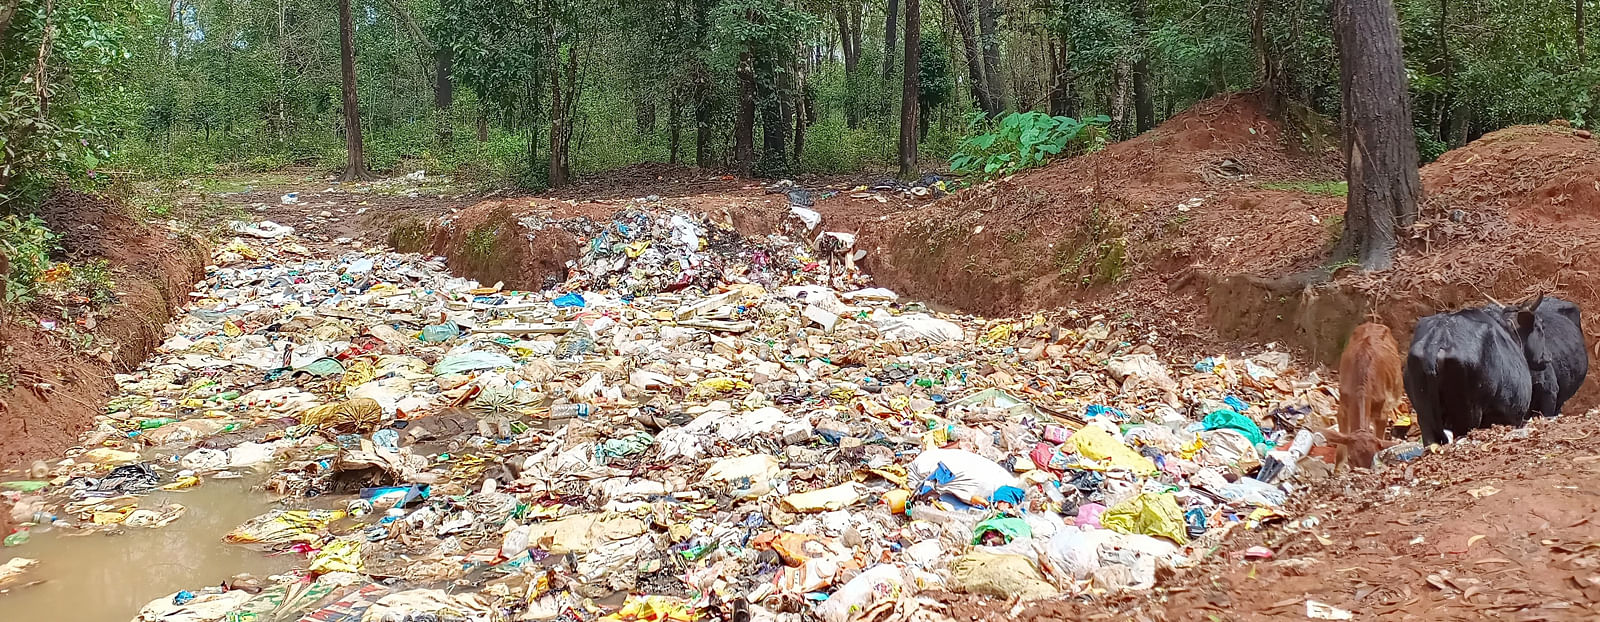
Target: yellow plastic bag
{"points": [[283, 526], [339, 555], [1150, 514], [360, 415], [1095, 443]]}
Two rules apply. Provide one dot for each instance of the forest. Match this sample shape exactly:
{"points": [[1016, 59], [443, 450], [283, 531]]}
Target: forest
{"points": [[529, 93]]}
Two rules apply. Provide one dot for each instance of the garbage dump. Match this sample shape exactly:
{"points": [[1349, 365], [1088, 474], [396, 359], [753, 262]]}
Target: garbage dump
{"points": [[692, 424]]}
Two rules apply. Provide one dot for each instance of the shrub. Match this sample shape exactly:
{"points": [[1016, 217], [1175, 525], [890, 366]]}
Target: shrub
{"points": [[1023, 140]]}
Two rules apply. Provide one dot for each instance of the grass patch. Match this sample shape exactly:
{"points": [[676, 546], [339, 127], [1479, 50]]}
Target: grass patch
{"points": [[480, 241], [1321, 188], [408, 236]]}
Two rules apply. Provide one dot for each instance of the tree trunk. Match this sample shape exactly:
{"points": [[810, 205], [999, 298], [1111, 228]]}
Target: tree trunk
{"points": [[1380, 146], [1577, 29], [770, 103], [802, 116], [702, 86], [744, 130], [988, 22], [908, 94], [1144, 106], [1122, 83], [355, 168], [891, 20], [961, 12], [675, 125], [852, 56], [1063, 96], [443, 92], [563, 103]]}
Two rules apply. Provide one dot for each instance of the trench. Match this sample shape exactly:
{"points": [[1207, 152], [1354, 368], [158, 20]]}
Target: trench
{"points": [[258, 391]]}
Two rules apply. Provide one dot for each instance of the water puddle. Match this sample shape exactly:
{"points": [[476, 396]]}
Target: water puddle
{"points": [[92, 576]]}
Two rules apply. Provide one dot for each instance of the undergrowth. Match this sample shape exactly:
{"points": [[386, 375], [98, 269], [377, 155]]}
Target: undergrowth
{"points": [[1321, 188]]}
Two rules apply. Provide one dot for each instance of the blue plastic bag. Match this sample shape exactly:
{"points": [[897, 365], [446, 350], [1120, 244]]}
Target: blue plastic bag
{"points": [[568, 300]]}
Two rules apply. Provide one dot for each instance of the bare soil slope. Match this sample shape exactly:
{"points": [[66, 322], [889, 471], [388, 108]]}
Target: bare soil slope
{"points": [[55, 381]]}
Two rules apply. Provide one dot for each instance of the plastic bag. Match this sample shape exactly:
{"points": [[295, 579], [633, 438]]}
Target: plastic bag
{"points": [[1003, 576], [834, 498], [338, 555], [283, 526], [1150, 514], [915, 327], [880, 582], [472, 361], [1008, 527], [968, 476], [1095, 443], [1227, 419]]}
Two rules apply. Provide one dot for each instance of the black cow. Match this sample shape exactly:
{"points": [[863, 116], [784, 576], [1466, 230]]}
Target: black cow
{"points": [[1493, 365], [1559, 362]]}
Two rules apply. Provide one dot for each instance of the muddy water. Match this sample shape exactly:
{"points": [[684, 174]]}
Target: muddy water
{"points": [[92, 577]]}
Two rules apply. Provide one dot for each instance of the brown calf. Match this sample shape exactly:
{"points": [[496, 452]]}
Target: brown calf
{"points": [[1369, 389]]}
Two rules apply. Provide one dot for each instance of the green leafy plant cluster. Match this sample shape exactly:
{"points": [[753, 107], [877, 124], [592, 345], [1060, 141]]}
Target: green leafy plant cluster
{"points": [[1024, 140], [27, 242]]}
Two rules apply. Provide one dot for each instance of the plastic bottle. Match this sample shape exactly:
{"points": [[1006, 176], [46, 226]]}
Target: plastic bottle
{"points": [[568, 411], [151, 424]]}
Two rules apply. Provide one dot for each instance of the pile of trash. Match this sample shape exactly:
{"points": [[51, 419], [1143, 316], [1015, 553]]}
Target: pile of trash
{"points": [[744, 439]]}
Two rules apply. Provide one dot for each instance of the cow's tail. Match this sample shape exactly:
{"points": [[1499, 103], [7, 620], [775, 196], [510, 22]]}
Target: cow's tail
{"points": [[1426, 400]]}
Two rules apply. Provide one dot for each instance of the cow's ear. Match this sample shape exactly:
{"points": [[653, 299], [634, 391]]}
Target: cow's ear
{"points": [[1525, 319], [1384, 443], [1335, 437]]}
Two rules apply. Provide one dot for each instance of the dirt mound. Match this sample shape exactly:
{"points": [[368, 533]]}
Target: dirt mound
{"points": [[489, 243], [1211, 191], [1529, 174], [55, 379]]}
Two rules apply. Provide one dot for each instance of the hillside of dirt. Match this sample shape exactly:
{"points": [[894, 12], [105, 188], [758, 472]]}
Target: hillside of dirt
{"points": [[1506, 217], [1214, 190], [57, 361]]}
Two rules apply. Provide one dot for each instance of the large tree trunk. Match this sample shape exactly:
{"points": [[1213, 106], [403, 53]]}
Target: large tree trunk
{"points": [[563, 104], [744, 129], [443, 92], [702, 86], [988, 22], [1577, 29], [961, 12], [1122, 83], [908, 93], [891, 19], [355, 168], [1144, 105], [771, 104], [847, 40], [1063, 95], [1380, 146]]}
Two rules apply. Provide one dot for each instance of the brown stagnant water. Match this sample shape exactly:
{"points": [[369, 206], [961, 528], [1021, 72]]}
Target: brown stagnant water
{"points": [[89, 576]]}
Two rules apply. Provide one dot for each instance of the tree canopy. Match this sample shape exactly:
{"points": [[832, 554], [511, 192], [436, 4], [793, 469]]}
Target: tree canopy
{"points": [[527, 92]]}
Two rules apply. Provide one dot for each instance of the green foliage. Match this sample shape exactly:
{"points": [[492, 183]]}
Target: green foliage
{"points": [[1022, 140], [1324, 188], [91, 283], [935, 82], [62, 101], [28, 243]]}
